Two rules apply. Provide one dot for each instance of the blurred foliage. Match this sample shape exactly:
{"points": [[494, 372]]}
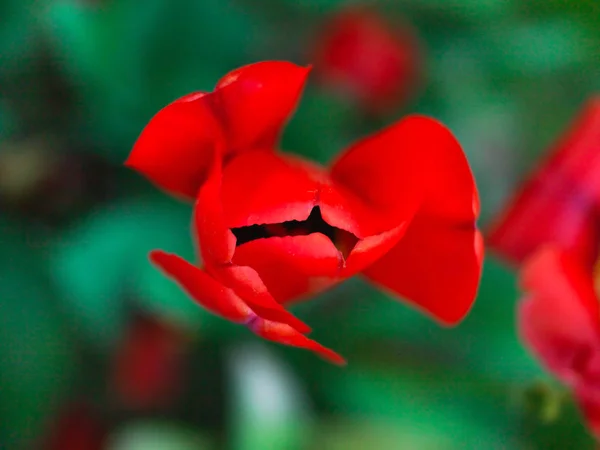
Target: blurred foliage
{"points": [[506, 76], [154, 435], [37, 353]]}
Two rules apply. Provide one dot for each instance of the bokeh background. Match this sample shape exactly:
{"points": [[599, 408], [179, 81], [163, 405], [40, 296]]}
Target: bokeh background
{"points": [[99, 351]]}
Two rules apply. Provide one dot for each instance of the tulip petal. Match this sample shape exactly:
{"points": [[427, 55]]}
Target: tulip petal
{"points": [[264, 187], [292, 266], [559, 203], [204, 289], [247, 284], [370, 249], [255, 101], [175, 149], [435, 267], [538, 216], [248, 109], [414, 164], [576, 155], [416, 170], [559, 317], [214, 239], [286, 335]]}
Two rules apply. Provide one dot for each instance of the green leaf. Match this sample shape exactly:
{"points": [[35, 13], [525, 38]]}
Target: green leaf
{"points": [[320, 6], [105, 257], [464, 10], [36, 353], [543, 46], [19, 32], [449, 410], [269, 407]]}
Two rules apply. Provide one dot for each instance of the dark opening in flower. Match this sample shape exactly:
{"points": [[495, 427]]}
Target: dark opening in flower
{"points": [[343, 240]]}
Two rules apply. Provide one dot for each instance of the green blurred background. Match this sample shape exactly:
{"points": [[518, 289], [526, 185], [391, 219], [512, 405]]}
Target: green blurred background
{"points": [[78, 81]]}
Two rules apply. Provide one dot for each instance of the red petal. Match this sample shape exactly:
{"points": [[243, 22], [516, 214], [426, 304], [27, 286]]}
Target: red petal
{"points": [[247, 284], [292, 266], [413, 164], [539, 216], [263, 187], [215, 239], [416, 166], [343, 208], [175, 149], [370, 249], [559, 318], [204, 289], [435, 266], [576, 155], [255, 102], [558, 204], [284, 334]]}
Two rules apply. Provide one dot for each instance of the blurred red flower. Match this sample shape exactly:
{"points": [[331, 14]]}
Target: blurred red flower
{"points": [[77, 427], [559, 202], [399, 207], [559, 320], [148, 364], [359, 51]]}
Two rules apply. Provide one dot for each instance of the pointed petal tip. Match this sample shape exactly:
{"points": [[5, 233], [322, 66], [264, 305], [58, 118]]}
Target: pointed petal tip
{"points": [[158, 256], [286, 335], [297, 324], [248, 285], [201, 287], [333, 357]]}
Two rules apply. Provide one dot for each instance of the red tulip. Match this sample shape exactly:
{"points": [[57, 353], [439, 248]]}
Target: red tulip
{"points": [[375, 62], [148, 364], [399, 207], [559, 320], [559, 203]]}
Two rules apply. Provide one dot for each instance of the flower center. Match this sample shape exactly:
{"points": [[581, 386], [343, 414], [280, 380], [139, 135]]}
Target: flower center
{"points": [[343, 240]]}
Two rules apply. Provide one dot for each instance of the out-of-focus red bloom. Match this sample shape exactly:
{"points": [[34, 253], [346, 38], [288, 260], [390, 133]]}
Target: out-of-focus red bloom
{"points": [[149, 364], [559, 320], [361, 52], [399, 207], [559, 203], [76, 428]]}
